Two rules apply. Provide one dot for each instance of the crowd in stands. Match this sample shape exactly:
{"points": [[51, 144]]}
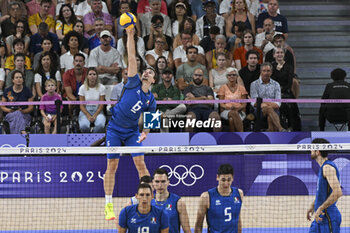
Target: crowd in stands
{"points": [[200, 49]]}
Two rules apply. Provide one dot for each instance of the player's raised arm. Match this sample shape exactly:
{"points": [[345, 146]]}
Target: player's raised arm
{"points": [[202, 210], [130, 46]]}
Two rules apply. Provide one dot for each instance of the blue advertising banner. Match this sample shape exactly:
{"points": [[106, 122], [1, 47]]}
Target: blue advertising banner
{"points": [[190, 174]]}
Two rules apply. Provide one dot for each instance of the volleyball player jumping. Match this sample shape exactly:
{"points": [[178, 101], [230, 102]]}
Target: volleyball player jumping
{"points": [[123, 127]]}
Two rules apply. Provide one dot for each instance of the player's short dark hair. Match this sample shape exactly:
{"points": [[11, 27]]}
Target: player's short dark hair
{"points": [[144, 186], [161, 171], [338, 74], [191, 47], [146, 179], [252, 51], [79, 55], [324, 153], [225, 169]]}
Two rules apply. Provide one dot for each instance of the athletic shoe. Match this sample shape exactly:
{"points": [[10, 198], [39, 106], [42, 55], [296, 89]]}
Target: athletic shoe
{"points": [[109, 213]]}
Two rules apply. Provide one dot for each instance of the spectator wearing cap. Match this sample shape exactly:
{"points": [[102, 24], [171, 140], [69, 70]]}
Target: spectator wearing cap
{"points": [[172, 8], [106, 60], [95, 39], [166, 91], [211, 18], [157, 30], [96, 7], [197, 8], [37, 38], [72, 42], [180, 14], [42, 16], [146, 23]]}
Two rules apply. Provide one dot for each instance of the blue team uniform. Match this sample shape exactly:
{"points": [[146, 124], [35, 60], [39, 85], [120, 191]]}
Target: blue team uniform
{"points": [[123, 126], [332, 218], [153, 222], [170, 208], [223, 212]]}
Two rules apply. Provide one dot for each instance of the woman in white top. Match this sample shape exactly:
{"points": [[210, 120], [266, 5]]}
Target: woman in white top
{"points": [[47, 69], [217, 76], [152, 55], [180, 11], [89, 114]]}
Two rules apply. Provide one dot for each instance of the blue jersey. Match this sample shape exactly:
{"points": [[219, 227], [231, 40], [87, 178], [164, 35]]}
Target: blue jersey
{"points": [[134, 101], [170, 207], [323, 192], [223, 212], [155, 221]]}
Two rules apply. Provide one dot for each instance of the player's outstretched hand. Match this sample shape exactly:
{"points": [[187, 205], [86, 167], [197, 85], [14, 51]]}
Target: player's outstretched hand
{"points": [[318, 218], [309, 214], [142, 137]]}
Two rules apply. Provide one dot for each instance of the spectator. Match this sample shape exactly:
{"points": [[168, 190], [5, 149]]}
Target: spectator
{"points": [[95, 40], [18, 45], [172, 5], [264, 39], [220, 47], [338, 89], [2, 82], [116, 7], [119, 30], [74, 78], [239, 13], [233, 112], [106, 60], [235, 41], [48, 112], [5, 9], [145, 6], [140, 48], [208, 20], [156, 30], [118, 89], [73, 5], [208, 42], [85, 8], [187, 25], [89, 18], [180, 55], [184, 73], [79, 27], [166, 91], [45, 71], [199, 91], [72, 42], [46, 46], [248, 44], [34, 7], [20, 34], [16, 12], [161, 65], [42, 17], [198, 10], [252, 5], [180, 14], [146, 19], [89, 114], [36, 40], [65, 21], [19, 64], [267, 88], [217, 76], [152, 55], [251, 71], [18, 117], [280, 21]]}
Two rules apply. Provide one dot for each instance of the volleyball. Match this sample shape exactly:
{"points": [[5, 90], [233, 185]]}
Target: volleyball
{"points": [[127, 20]]}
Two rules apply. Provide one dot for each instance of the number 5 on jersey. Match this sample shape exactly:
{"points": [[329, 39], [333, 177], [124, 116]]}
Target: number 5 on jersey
{"points": [[228, 214]]}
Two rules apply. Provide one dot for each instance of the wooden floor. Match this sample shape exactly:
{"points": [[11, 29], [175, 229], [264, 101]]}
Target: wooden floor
{"points": [[87, 213]]}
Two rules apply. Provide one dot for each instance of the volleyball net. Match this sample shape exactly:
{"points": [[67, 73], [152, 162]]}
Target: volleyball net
{"points": [[60, 189]]}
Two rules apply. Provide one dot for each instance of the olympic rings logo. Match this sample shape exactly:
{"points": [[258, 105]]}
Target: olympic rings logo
{"points": [[187, 172]]}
